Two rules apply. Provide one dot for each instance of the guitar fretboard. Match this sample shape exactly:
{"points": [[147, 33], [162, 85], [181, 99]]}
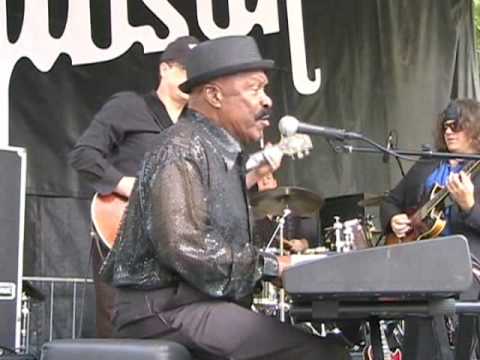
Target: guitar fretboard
{"points": [[471, 168]]}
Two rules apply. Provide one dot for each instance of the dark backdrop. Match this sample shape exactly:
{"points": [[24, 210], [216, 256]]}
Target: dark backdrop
{"points": [[386, 65]]}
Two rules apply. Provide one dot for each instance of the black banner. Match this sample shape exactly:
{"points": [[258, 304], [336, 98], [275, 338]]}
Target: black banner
{"points": [[369, 66]]}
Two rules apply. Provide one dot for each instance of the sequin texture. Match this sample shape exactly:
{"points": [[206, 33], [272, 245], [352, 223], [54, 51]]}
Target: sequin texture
{"points": [[188, 217]]}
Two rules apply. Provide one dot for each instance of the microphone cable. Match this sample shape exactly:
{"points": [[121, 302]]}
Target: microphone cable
{"points": [[394, 134]]}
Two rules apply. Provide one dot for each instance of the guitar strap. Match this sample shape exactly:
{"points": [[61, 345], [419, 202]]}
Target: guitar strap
{"points": [[159, 113], [101, 249]]}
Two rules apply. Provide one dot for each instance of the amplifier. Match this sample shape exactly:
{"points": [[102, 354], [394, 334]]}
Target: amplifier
{"points": [[12, 210]]}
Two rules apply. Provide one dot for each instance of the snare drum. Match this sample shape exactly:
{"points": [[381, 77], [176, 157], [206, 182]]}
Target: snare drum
{"points": [[349, 235], [356, 236]]}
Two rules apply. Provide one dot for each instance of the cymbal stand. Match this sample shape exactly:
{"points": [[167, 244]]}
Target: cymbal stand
{"points": [[339, 241], [280, 230], [25, 324], [281, 223]]}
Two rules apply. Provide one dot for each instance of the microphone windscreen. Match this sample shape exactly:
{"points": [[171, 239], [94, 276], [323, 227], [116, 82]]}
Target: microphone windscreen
{"points": [[288, 125]]}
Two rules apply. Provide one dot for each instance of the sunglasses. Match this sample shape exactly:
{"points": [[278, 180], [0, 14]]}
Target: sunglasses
{"points": [[453, 125]]}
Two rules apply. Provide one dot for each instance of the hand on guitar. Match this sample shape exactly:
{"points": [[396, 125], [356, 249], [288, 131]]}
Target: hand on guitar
{"points": [[263, 174], [461, 190], [268, 160], [125, 186], [400, 225]]}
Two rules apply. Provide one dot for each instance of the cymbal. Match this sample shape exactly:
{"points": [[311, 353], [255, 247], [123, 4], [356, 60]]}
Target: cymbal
{"points": [[372, 200], [301, 202]]}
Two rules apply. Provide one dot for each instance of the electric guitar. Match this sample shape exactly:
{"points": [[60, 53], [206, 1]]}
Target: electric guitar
{"points": [[429, 220], [106, 211], [387, 353]]}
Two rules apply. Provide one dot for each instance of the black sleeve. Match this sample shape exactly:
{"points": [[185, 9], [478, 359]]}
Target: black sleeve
{"points": [[90, 156], [470, 218], [188, 243], [407, 194]]}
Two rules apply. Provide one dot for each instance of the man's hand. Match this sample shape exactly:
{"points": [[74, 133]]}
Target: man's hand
{"points": [[125, 186], [461, 189], [296, 245], [283, 263], [400, 225], [274, 159]]}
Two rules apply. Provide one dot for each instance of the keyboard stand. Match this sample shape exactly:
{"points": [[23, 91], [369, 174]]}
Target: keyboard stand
{"points": [[391, 309], [373, 311]]}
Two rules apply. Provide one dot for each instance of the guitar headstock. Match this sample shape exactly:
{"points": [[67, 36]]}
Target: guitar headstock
{"points": [[298, 145]]}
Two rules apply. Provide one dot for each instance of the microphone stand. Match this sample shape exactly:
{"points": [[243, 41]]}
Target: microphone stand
{"points": [[397, 153]]}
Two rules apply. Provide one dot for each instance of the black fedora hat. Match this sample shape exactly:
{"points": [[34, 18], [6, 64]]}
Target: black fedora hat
{"points": [[222, 56]]}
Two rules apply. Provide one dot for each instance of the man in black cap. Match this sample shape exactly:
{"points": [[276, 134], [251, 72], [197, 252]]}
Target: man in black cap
{"points": [[109, 153], [184, 262]]}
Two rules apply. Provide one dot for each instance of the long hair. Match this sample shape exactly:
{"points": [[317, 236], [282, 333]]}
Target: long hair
{"points": [[469, 120]]}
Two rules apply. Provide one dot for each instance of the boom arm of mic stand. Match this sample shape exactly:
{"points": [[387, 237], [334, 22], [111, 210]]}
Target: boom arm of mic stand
{"points": [[379, 149]]}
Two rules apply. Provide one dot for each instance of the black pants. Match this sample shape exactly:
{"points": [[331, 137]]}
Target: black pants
{"points": [[426, 338], [104, 293], [223, 330]]}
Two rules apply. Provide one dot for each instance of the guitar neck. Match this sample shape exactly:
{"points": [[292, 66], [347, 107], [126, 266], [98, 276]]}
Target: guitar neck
{"points": [[471, 168]]}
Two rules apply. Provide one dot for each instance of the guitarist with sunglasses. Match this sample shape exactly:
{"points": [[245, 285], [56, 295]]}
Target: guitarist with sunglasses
{"points": [[454, 182]]}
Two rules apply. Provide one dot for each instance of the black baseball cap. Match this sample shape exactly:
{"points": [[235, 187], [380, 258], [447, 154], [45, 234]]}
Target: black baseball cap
{"points": [[179, 49]]}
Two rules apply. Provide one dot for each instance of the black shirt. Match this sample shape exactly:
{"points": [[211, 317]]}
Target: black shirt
{"points": [[114, 144]]}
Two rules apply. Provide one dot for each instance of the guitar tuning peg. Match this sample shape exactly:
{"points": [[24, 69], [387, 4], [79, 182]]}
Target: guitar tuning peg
{"points": [[307, 152]]}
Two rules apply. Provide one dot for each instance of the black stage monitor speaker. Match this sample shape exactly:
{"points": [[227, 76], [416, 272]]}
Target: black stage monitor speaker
{"points": [[12, 210]]}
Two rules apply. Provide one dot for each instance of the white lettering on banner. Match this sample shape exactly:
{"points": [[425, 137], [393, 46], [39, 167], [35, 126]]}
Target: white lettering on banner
{"points": [[298, 56], [241, 20], [36, 43]]}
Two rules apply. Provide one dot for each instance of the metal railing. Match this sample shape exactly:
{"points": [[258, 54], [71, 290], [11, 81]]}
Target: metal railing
{"points": [[49, 302]]}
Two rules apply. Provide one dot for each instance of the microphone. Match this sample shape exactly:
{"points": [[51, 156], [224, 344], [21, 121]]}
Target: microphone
{"points": [[388, 146], [289, 126]]}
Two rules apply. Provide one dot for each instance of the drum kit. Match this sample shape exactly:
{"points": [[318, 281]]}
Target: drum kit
{"points": [[343, 236]]}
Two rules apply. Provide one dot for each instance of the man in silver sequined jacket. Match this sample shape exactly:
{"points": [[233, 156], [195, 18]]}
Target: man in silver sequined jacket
{"points": [[184, 259]]}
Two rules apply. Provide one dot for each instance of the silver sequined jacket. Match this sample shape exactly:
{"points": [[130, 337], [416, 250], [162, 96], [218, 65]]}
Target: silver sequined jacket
{"points": [[188, 218]]}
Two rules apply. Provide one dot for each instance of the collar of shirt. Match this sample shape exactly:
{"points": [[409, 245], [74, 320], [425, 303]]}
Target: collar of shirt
{"points": [[229, 147], [440, 174]]}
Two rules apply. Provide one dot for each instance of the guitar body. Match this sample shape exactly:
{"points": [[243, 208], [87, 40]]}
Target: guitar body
{"points": [[106, 212], [386, 352], [423, 226], [420, 230]]}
